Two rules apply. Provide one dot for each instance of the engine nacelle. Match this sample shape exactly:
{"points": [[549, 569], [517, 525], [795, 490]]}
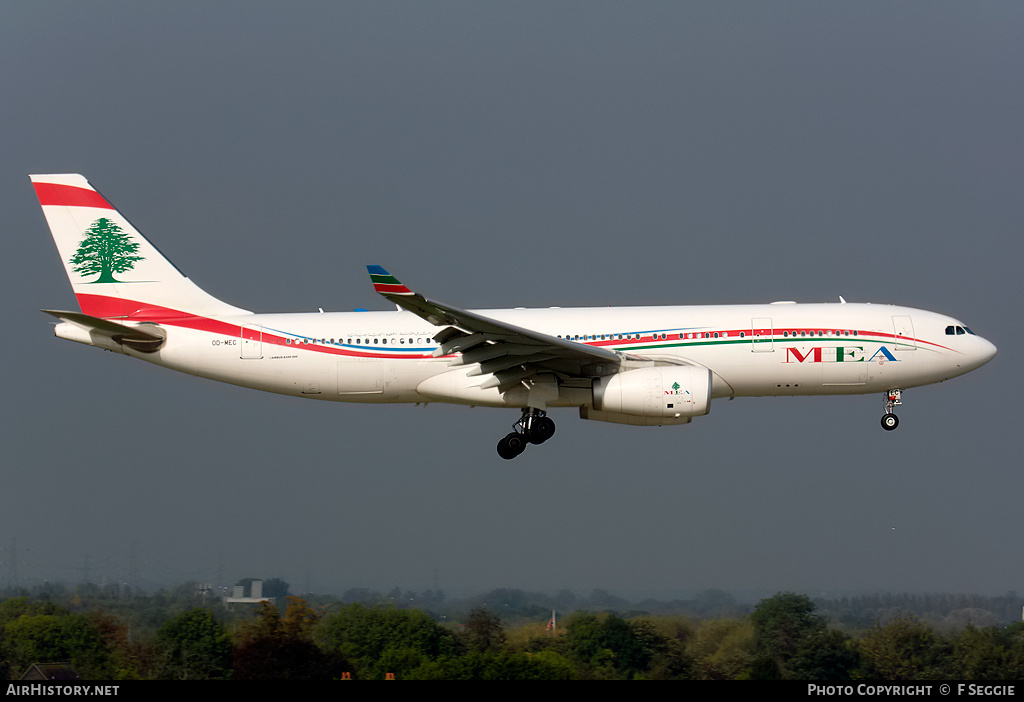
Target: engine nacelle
{"points": [[657, 395]]}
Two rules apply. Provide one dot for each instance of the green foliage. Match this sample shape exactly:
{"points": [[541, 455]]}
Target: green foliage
{"points": [[380, 640], [504, 665], [611, 646], [272, 647], [483, 632], [16, 607], [790, 639], [903, 649], [195, 647], [990, 653], [58, 637], [722, 649], [783, 622], [827, 655], [784, 636]]}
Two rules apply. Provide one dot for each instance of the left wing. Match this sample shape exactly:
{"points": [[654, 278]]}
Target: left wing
{"points": [[510, 355]]}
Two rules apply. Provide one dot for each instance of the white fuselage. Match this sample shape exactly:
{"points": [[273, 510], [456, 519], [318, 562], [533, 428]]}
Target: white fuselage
{"points": [[751, 350]]}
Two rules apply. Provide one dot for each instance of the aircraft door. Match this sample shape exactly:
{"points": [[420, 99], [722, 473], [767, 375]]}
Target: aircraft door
{"points": [[251, 342], [903, 326], [761, 333]]}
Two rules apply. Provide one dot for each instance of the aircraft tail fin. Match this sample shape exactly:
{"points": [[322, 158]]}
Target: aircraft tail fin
{"points": [[115, 272]]}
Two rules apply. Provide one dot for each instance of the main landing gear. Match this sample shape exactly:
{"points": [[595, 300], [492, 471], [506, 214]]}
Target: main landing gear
{"points": [[889, 420], [534, 427]]}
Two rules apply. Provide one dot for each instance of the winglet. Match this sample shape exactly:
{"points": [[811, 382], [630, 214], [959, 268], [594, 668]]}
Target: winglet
{"points": [[385, 283]]}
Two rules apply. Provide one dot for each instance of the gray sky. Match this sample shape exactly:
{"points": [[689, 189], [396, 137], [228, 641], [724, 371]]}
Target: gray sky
{"points": [[499, 154]]}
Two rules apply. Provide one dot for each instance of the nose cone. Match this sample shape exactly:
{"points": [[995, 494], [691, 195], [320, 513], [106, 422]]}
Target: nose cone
{"points": [[986, 351]]}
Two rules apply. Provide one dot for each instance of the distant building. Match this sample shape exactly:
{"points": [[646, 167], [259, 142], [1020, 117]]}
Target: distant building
{"points": [[237, 595], [50, 671]]}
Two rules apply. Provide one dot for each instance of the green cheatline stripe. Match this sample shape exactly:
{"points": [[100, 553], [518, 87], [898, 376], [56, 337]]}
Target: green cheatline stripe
{"points": [[696, 342], [387, 279]]}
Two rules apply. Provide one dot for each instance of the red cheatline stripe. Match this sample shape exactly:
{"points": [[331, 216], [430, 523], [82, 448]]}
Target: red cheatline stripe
{"points": [[120, 309], [69, 195]]}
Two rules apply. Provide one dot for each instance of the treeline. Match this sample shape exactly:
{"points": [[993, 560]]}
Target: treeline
{"points": [[503, 635], [944, 611]]}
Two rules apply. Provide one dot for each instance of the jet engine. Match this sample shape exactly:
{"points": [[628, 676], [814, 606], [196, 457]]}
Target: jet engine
{"points": [[651, 396]]}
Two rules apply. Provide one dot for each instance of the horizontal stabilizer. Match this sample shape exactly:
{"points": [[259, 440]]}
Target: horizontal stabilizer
{"points": [[144, 337]]}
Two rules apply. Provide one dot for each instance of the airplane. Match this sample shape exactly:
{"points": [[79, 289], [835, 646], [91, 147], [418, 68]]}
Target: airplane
{"points": [[642, 366]]}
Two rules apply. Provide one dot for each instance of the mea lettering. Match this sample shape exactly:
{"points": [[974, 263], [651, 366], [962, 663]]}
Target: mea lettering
{"points": [[844, 354]]}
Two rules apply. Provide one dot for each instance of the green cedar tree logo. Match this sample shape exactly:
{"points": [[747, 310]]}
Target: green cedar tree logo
{"points": [[106, 250]]}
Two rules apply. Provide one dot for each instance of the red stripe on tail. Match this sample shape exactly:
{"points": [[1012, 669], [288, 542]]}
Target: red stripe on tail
{"points": [[69, 196]]}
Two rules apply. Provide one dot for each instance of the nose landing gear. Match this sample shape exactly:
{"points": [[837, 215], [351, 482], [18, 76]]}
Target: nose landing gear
{"points": [[889, 420], [534, 427]]}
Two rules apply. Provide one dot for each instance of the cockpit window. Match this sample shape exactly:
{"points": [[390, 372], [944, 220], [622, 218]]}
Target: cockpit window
{"points": [[957, 330]]}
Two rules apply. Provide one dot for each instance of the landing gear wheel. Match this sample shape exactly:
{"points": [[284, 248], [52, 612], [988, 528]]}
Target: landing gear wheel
{"points": [[534, 427], [889, 420], [511, 445], [541, 429]]}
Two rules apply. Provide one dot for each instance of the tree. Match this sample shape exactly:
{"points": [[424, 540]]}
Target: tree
{"points": [[610, 645], [989, 653], [196, 646], [668, 638], [483, 631], [272, 647], [784, 626], [384, 639], [827, 655], [903, 649], [121, 652], [722, 649], [504, 665], [106, 249], [19, 606], [51, 638]]}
